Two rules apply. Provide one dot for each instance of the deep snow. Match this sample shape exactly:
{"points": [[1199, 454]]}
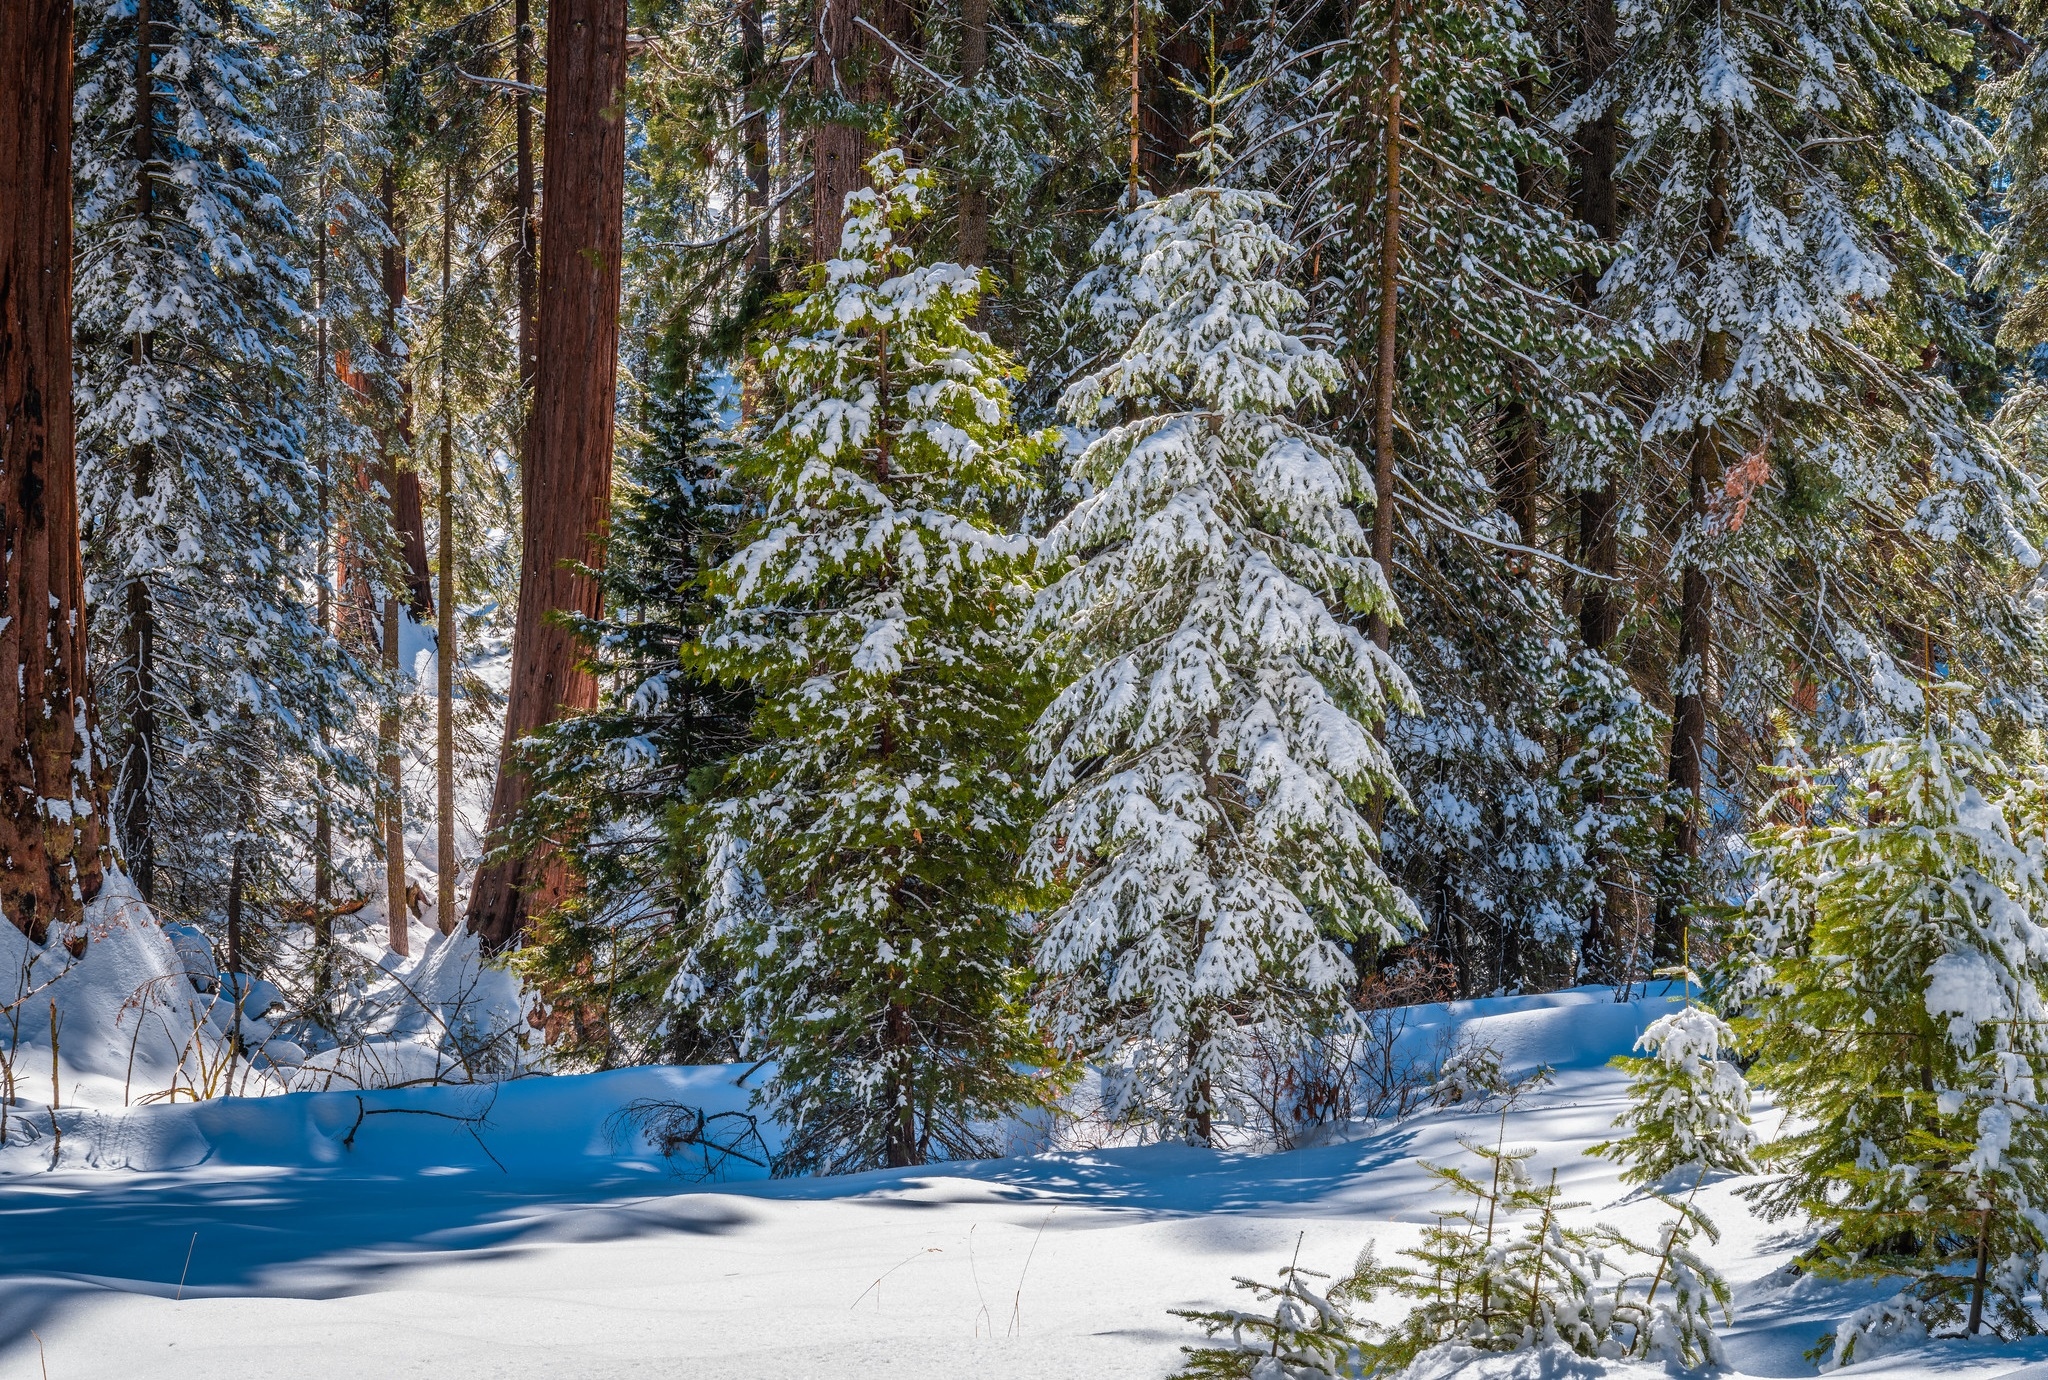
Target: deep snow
{"points": [[528, 1230]]}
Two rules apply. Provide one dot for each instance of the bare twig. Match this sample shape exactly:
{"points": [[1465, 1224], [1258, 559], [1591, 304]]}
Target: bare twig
{"points": [[1017, 1300]]}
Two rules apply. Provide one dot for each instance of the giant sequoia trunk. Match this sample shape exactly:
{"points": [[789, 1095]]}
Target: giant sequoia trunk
{"points": [[854, 63], [50, 808], [566, 485]]}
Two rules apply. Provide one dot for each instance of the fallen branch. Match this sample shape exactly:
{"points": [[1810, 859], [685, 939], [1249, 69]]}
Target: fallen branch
{"points": [[469, 1123]]}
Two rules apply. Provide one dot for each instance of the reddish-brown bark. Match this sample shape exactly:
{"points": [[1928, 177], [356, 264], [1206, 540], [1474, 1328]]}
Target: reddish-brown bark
{"points": [[851, 63], [566, 485], [51, 856]]}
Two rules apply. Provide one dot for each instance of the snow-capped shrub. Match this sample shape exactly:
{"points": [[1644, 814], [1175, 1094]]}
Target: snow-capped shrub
{"points": [[1506, 1273], [1688, 1106]]}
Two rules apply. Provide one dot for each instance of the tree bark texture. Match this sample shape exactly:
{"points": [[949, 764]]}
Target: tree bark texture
{"points": [[391, 765], [973, 237], [526, 257], [401, 483], [754, 131], [444, 641], [51, 857], [849, 64], [566, 485]]}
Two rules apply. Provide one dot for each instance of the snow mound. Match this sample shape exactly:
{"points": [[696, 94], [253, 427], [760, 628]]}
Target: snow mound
{"points": [[1554, 1362]]}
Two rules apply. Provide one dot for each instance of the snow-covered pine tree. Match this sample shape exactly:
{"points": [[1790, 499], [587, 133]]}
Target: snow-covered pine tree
{"points": [[1688, 1105], [199, 501], [862, 854], [1212, 750], [1890, 977], [1795, 199], [1475, 381]]}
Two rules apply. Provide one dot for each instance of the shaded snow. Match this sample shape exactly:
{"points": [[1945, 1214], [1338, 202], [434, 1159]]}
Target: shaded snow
{"points": [[556, 1240]]}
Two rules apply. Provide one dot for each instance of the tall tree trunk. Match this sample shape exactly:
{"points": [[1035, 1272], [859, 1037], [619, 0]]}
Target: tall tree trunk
{"points": [[973, 239], [1603, 945], [526, 258], [406, 522], [1692, 668], [840, 148], [1386, 343], [50, 801], [1137, 100], [755, 96], [139, 753], [323, 809], [444, 642], [566, 484], [401, 483]]}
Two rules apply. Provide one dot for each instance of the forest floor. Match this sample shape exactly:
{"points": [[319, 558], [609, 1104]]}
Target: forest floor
{"points": [[529, 1229]]}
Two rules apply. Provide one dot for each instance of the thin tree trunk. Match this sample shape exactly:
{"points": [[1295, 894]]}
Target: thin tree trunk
{"points": [[1137, 99], [405, 522], [236, 884], [444, 658], [757, 92], [1386, 343], [973, 240], [323, 809], [50, 799], [1603, 946], [139, 755], [1692, 669], [566, 483], [391, 760], [1977, 1282]]}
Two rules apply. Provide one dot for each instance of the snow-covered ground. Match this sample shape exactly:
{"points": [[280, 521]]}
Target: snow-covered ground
{"points": [[528, 1229]]}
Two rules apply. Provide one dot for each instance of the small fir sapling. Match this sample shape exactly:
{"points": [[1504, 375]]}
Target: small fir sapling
{"points": [[863, 916], [1505, 1273], [1688, 1107], [1889, 969], [1211, 750]]}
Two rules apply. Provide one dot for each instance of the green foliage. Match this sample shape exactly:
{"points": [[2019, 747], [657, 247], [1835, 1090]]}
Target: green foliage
{"points": [[1890, 979], [1506, 1273], [1688, 1107], [613, 787], [862, 893]]}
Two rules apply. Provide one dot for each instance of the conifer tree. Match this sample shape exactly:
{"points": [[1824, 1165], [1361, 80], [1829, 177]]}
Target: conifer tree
{"points": [[200, 504], [337, 125], [1797, 198], [614, 785], [1688, 1106], [1890, 977], [1212, 748], [862, 853], [1477, 382]]}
